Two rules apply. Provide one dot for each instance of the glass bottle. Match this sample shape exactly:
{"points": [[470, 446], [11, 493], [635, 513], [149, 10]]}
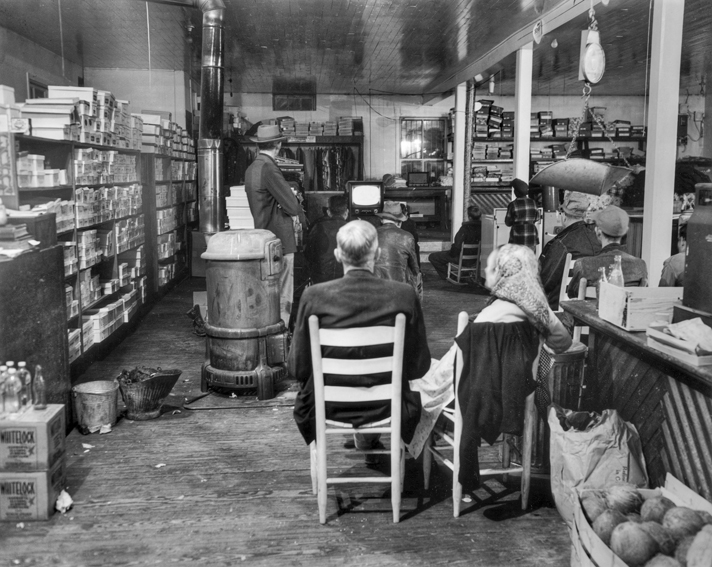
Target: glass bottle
{"points": [[26, 377], [39, 393], [3, 214], [602, 277], [13, 388], [3, 378], [616, 275]]}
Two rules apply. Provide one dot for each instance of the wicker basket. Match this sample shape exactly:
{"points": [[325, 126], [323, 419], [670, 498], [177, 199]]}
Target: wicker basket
{"points": [[144, 399]]}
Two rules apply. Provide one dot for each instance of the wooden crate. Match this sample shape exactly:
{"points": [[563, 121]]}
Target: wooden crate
{"points": [[634, 308], [587, 548]]}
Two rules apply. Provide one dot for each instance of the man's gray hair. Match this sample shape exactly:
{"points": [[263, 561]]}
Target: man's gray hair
{"points": [[358, 242]]}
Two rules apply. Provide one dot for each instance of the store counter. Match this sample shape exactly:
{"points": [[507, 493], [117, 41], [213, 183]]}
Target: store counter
{"points": [[426, 204], [668, 401]]}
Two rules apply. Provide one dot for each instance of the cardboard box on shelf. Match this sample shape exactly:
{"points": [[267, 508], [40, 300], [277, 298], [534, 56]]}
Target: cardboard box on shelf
{"points": [[34, 440]]}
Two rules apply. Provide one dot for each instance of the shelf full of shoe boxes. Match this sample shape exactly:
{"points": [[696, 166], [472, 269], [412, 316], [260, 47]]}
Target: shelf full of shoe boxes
{"points": [[545, 127], [32, 463], [108, 219], [491, 146], [173, 167]]}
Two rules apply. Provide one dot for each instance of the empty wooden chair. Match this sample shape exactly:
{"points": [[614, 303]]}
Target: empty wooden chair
{"points": [[468, 265], [389, 392], [444, 444]]}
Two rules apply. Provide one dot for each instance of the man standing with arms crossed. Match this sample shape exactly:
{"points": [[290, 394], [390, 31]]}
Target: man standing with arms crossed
{"points": [[274, 207]]}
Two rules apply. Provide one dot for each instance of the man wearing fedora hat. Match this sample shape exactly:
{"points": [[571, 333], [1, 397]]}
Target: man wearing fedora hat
{"points": [[576, 237], [274, 207], [398, 261]]}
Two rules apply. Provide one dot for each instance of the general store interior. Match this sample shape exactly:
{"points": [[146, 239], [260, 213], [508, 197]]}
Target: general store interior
{"points": [[231, 483]]}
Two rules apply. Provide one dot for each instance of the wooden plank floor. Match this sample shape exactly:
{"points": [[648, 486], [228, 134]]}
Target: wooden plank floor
{"points": [[235, 488]]}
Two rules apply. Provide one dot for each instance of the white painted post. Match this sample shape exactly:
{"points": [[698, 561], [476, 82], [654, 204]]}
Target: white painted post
{"points": [[458, 161], [662, 141], [522, 111]]}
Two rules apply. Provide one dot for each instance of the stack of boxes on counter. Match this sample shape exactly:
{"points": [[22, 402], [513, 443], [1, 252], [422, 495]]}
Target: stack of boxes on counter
{"points": [[32, 446], [238, 209]]}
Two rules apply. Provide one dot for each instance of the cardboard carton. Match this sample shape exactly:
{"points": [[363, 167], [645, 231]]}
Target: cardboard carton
{"points": [[31, 495], [34, 441], [634, 308]]}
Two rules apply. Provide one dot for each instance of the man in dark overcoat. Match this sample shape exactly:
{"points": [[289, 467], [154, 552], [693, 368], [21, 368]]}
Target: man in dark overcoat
{"points": [[359, 299], [275, 207]]}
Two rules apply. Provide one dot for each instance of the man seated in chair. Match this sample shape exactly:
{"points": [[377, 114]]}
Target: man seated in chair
{"points": [[320, 243], [359, 299], [397, 260], [611, 226], [576, 237], [470, 233]]}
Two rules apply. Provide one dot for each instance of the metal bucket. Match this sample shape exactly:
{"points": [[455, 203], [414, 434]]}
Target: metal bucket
{"points": [[95, 404]]}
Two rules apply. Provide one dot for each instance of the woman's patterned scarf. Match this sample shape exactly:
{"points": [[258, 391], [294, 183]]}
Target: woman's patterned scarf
{"points": [[517, 273]]}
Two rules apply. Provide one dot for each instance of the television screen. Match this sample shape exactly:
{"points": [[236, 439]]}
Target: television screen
{"points": [[365, 197]]}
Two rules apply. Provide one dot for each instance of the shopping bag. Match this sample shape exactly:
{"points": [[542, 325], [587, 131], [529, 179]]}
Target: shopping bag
{"points": [[607, 451]]}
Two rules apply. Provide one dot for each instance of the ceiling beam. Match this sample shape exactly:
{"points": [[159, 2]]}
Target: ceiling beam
{"points": [[564, 12]]}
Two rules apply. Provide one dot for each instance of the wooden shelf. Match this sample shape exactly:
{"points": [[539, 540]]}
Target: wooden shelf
{"points": [[38, 140], [567, 139], [51, 188]]}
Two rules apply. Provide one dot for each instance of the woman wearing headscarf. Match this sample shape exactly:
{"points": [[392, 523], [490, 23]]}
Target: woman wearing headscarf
{"points": [[500, 353]]}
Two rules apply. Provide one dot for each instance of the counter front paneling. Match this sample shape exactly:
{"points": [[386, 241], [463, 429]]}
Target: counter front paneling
{"points": [[668, 401]]}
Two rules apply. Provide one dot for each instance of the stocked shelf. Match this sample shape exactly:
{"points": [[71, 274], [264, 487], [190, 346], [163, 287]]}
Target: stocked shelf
{"points": [[93, 218]]}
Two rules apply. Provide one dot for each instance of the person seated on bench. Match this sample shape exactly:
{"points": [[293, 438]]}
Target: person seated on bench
{"points": [[470, 233]]}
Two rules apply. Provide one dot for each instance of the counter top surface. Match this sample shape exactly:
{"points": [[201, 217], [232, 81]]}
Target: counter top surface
{"points": [[585, 311]]}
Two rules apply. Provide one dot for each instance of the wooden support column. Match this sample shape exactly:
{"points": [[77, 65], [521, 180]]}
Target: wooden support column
{"points": [[662, 142], [458, 161], [522, 111]]}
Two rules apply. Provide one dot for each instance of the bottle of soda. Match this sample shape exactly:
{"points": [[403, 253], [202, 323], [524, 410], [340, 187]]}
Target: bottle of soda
{"points": [[26, 377], [616, 277], [39, 393], [13, 388]]}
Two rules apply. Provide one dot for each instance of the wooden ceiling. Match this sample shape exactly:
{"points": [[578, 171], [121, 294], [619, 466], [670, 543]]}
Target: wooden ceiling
{"points": [[418, 47]]}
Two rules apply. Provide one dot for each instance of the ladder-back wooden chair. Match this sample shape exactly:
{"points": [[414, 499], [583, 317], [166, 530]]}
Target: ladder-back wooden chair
{"points": [[448, 452], [457, 272], [390, 392]]}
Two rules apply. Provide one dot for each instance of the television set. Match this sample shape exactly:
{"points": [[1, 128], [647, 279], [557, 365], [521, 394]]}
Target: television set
{"points": [[418, 179], [365, 197]]}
